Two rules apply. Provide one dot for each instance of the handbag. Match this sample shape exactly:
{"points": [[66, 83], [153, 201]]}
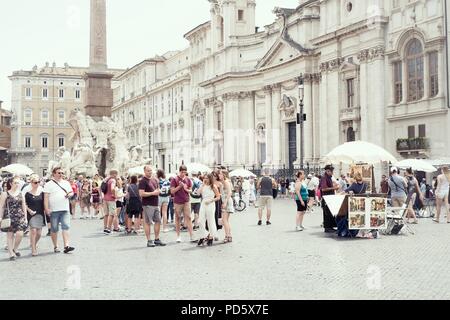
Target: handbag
{"points": [[6, 222]]}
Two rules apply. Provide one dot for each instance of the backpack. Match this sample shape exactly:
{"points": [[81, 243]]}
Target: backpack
{"points": [[195, 188], [104, 186]]}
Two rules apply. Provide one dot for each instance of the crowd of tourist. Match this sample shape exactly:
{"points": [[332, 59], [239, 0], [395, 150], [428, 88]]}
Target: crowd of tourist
{"points": [[199, 202]]}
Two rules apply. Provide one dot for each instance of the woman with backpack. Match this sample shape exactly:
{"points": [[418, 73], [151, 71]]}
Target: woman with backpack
{"points": [[301, 198], [134, 206], [413, 190]]}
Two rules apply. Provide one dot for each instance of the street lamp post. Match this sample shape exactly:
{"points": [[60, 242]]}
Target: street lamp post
{"points": [[301, 118]]}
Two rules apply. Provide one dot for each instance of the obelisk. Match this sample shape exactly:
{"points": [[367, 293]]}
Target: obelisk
{"points": [[99, 95]]}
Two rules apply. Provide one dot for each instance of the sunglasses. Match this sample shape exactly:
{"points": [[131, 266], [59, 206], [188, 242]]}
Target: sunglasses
{"points": [[35, 182]]}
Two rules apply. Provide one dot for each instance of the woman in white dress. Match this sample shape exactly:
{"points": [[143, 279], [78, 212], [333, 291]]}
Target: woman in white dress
{"points": [[442, 190]]}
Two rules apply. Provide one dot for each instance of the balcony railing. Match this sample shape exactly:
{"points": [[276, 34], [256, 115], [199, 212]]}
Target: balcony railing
{"points": [[414, 144], [21, 150], [350, 114]]}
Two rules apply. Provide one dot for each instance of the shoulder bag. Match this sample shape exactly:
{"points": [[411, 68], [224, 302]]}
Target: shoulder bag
{"points": [[6, 222]]}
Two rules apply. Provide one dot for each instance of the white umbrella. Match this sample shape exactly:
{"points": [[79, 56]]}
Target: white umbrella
{"points": [[242, 173], [359, 152], [198, 167], [18, 169], [416, 165], [136, 170]]}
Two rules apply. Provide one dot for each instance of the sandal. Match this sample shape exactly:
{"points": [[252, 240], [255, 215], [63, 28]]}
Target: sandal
{"points": [[17, 253]]}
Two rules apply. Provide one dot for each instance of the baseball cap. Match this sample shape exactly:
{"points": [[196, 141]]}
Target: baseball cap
{"points": [[394, 169], [310, 176]]}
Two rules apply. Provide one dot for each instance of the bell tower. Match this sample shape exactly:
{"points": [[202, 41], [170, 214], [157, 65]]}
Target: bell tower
{"points": [[231, 18]]}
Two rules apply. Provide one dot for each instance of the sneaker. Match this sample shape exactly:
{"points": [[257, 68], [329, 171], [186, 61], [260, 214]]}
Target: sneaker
{"points": [[166, 230], [300, 228], [150, 244], [178, 240], [106, 231], [259, 223], [49, 233], [268, 223], [68, 249], [159, 243]]}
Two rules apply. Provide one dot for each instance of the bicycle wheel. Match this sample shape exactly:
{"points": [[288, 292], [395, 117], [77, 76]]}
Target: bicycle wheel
{"points": [[240, 206]]}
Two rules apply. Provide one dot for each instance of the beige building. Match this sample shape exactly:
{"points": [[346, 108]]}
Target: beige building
{"points": [[5, 135], [42, 100]]}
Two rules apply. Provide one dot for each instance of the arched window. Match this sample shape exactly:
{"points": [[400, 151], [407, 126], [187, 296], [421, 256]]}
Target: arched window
{"points": [[414, 60], [350, 135]]}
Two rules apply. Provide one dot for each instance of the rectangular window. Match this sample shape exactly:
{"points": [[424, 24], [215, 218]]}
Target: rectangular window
{"points": [[45, 93], [411, 132], [434, 78], [350, 93], [61, 118], [28, 92], [398, 87], [44, 118], [77, 94], [27, 142], [422, 131], [60, 141], [240, 15], [44, 142], [61, 93], [182, 105], [27, 117]]}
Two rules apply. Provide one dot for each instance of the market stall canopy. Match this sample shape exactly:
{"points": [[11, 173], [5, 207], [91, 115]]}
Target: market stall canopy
{"points": [[416, 165], [17, 169], [242, 173], [198, 167], [359, 152], [438, 162]]}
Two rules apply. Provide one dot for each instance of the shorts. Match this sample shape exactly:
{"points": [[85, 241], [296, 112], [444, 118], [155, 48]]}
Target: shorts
{"points": [[195, 207], [265, 202], [152, 214], [312, 193], [398, 202], [58, 217], [180, 209], [119, 204], [300, 207], [163, 200], [111, 207]]}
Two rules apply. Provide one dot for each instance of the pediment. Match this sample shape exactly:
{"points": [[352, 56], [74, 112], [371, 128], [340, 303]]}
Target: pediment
{"points": [[280, 52]]}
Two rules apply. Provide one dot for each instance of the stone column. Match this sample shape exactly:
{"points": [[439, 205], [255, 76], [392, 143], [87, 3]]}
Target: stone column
{"points": [[316, 118], [377, 109], [98, 49], [209, 135], [276, 124], [308, 125], [364, 102], [323, 140], [269, 135], [252, 129]]}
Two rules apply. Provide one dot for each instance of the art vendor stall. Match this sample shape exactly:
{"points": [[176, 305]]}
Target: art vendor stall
{"points": [[359, 216]]}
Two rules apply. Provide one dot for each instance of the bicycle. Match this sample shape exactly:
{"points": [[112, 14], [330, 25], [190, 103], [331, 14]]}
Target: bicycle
{"points": [[240, 205]]}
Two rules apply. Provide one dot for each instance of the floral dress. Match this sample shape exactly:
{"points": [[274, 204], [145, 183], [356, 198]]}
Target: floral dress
{"points": [[13, 210]]}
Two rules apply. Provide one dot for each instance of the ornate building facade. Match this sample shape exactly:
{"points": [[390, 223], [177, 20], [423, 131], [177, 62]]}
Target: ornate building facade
{"points": [[371, 70]]}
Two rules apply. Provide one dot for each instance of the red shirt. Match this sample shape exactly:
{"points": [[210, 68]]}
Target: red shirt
{"points": [[181, 197]]}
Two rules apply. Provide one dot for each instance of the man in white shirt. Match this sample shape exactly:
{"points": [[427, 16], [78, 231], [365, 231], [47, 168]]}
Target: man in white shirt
{"points": [[57, 193]]}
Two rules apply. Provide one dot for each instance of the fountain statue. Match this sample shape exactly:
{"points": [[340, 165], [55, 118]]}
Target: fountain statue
{"points": [[98, 146]]}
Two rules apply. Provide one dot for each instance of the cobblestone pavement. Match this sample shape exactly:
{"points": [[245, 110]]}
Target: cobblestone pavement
{"points": [[263, 262]]}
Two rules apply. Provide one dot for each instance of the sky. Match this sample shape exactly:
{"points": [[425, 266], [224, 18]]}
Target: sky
{"points": [[33, 32]]}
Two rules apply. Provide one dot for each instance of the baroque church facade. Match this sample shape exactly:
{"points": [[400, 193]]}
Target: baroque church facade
{"points": [[369, 70]]}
